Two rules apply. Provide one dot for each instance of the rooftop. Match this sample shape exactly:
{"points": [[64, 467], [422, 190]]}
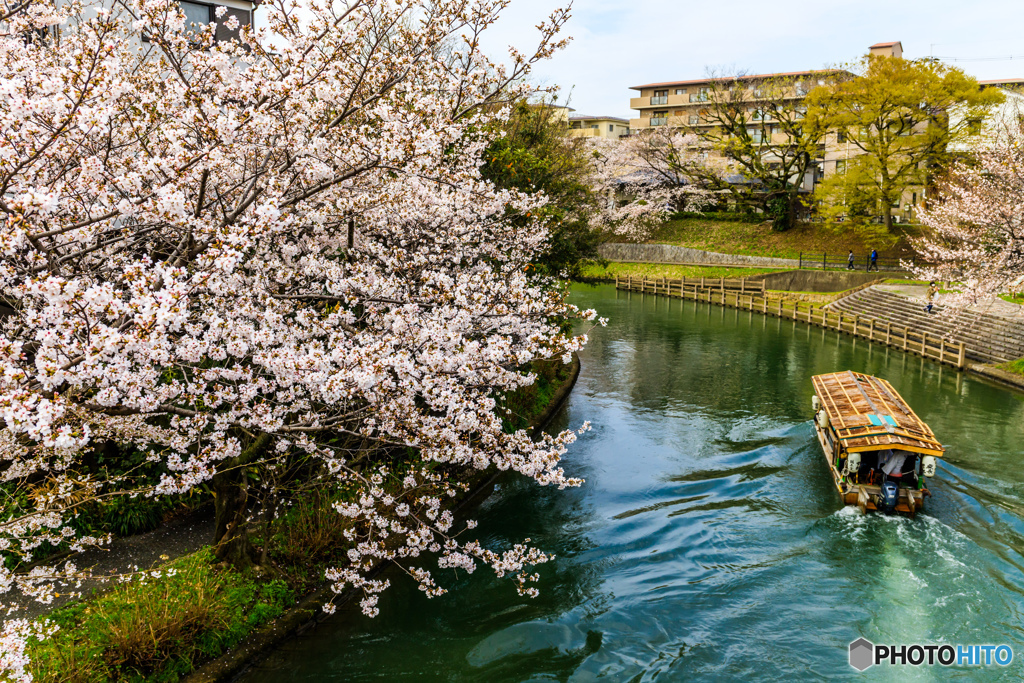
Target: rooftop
{"points": [[895, 42], [786, 74], [587, 117]]}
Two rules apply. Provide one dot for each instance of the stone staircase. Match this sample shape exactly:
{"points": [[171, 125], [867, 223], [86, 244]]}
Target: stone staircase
{"points": [[988, 338]]}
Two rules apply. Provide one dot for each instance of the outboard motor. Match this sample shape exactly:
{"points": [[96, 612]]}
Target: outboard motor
{"points": [[890, 494]]}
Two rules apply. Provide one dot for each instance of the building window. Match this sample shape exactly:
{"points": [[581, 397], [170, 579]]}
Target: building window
{"points": [[840, 136], [611, 127], [595, 126], [660, 97], [840, 166], [694, 120], [974, 127], [680, 91], [198, 15], [659, 118], [701, 96], [755, 134]]}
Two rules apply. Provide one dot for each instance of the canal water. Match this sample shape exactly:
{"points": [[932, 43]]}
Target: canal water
{"points": [[708, 542]]}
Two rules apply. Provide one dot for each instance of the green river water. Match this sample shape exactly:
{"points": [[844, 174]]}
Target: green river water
{"points": [[708, 542]]}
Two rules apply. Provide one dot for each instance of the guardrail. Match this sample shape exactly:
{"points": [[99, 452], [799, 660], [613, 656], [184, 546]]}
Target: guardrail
{"points": [[724, 292], [840, 261]]}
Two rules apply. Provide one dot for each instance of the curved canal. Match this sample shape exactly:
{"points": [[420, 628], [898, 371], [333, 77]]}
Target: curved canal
{"points": [[708, 542]]}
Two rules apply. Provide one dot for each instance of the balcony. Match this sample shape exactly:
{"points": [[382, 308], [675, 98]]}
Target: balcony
{"points": [[659, 121], [699, 97], [656, 101]]}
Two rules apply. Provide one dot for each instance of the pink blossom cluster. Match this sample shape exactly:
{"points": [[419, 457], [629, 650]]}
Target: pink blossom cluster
{"points": [[286, 236], [975, 228], [643, 178]]}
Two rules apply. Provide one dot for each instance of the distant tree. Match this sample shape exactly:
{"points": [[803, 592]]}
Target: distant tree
{"points": [[536, 155], [761, 127], [976, 227], [895, 114], [643, 179]]}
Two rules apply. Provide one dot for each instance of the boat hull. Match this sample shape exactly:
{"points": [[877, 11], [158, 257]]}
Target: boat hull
{"points": [[909, 502]]}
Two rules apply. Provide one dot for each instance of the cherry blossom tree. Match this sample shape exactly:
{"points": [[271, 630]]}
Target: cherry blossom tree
{"points": [[264, 256], [975, 232], [644, 178]]}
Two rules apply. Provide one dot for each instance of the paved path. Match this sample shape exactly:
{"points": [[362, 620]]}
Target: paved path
{"points": [[145, 551]]}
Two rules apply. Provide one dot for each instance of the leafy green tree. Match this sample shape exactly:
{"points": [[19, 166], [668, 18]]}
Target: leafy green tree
{"points": [[537, 155], [895, 113], [761, 127]]}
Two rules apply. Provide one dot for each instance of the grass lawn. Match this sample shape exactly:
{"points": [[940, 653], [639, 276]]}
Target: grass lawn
{"points": [[758, 239], [1019, 299], [656, 270], [1014, 366]]}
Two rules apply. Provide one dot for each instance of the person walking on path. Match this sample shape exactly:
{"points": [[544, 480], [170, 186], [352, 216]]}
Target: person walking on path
{"points": [[932, 291], [849, 261], [874, 260]]}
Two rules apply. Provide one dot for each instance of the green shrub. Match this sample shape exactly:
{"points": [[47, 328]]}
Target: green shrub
{"points": [[158, 628], [125, 516]]}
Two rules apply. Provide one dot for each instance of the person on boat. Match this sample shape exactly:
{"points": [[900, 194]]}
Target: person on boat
{"points": [[891, 464]]}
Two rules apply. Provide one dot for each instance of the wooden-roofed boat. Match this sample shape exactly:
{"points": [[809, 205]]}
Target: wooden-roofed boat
{"points": [[878, 450]]}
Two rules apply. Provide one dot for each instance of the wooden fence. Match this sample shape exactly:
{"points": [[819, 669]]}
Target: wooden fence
{"points": [[721, 293], [673, 287]]}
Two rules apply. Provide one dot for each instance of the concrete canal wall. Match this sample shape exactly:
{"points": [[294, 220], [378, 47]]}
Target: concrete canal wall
{"points": [[815, 280]]}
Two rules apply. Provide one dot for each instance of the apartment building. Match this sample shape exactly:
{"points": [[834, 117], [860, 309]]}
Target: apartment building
{"points": [[684, 103], [611, 127]]}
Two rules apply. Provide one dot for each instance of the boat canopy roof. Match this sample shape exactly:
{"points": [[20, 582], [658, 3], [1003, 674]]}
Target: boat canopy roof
{"points": [[868, 415]]}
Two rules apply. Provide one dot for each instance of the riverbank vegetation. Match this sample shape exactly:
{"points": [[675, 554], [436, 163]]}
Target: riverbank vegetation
{"points": [[161, 625]]}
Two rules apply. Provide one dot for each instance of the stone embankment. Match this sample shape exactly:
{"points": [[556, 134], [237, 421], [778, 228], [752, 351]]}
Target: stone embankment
{"points": [[671, 254]]}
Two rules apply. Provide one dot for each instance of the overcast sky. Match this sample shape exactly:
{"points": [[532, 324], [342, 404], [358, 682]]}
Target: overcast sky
{"points": [[622, 43]]}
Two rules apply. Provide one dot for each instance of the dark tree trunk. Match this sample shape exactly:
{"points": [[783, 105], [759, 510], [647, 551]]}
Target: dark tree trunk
{"points": [[231, 534], [230, 489]]}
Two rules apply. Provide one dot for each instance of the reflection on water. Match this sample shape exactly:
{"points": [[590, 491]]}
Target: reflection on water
{"points": [[708, 541]]}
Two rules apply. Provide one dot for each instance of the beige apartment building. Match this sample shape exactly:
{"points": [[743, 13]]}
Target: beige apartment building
{"points": [[611, 127], [681, 103]]}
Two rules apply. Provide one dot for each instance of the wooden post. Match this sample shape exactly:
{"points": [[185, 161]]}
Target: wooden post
{"points": [[780, 307], [942, 350], [924, 344], [905, 338], [616, 282], [960, 355], [824, 261], [702, 282], [871, 330], [888, 332]]}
